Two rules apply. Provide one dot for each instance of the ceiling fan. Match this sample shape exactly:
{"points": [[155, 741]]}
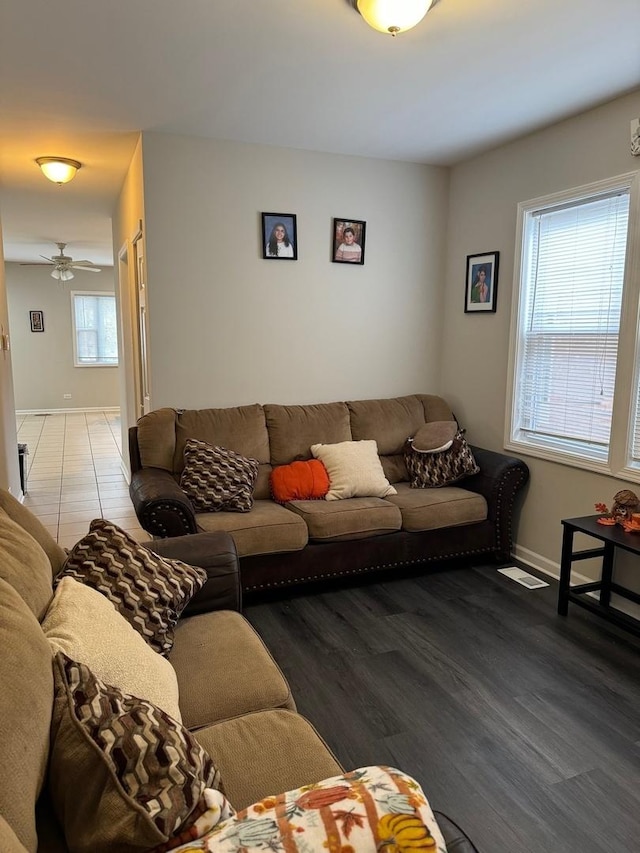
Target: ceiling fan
{"points": [[63, 265]]}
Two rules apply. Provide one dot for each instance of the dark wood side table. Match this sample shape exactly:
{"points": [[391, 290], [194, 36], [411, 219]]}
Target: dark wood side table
{"points": [[611, 538]]}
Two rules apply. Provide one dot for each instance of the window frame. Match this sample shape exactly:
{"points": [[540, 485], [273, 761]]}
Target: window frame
{"points": [[74, 329], [617, 461]]}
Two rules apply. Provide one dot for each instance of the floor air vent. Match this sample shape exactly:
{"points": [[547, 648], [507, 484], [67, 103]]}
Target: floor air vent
{"points": [[523, 578]]}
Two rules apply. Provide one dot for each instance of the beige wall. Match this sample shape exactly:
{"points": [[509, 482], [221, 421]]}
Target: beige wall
{"points": [[128, 220], [9, 471], [43, 370], [229, 328], [484, 195]]}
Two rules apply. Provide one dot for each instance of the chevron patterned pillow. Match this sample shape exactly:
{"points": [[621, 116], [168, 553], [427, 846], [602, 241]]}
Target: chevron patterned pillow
{"points": [[216, 479], [150, 591], [124, 775]]}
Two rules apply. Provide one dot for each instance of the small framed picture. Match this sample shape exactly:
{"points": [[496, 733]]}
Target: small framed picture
{"points": [[37, 321], [279, 237], [348, 241], [482, 282]]}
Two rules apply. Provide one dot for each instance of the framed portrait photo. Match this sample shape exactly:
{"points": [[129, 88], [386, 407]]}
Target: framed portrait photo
{"points": [[279, 237], [348, 241], [36, 318], [482, 282]]}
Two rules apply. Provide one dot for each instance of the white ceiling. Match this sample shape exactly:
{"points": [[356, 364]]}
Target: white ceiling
{"points": [[81, 79]]}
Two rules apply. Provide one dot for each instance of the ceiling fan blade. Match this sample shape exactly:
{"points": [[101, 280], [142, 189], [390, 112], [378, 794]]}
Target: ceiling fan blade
{"points": [[84, 263], [34, 264], [48, 260], [83, 267]]}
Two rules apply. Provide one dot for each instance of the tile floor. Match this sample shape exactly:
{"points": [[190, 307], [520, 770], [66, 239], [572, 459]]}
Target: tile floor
{"points": [[74, 473]]}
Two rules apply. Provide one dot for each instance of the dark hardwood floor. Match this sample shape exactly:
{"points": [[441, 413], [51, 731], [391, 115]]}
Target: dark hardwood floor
{"points": [[521, 725]]}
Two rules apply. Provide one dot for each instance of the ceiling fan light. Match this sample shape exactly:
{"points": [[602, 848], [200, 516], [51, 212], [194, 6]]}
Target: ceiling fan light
{"points": [[393, 16], [61, 274], [60, 170]]}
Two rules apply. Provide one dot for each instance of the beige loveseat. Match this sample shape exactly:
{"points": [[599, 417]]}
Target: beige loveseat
{"points": [[315, 539], [233, 696]]}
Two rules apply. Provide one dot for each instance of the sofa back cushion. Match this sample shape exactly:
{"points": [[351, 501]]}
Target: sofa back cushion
{"points": [[157, 439], [435, 408], [242, 429], [25, 566], [26, 703], [390, 422], [293, 429], [34, 527]]}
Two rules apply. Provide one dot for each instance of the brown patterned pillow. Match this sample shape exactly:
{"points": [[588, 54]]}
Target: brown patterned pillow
{"points": [[148, 590], [432, 469], [124, 775], [216, 479]]}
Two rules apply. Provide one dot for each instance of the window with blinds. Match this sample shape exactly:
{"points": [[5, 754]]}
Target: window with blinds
{"points": [[569, 309], [95, 336]]}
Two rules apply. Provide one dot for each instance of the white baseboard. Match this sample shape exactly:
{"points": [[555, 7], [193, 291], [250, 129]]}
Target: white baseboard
{"points": [[67, 411], [537, 561], [548, 567]]}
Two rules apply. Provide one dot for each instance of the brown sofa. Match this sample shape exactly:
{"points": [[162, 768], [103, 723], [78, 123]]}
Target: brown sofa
{"points": [[233, 696], [232, 693], [310, 540]]}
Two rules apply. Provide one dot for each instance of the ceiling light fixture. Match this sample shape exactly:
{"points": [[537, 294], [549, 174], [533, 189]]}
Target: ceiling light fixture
{"points": [[393, 16], [62, 275], [60, 170]]}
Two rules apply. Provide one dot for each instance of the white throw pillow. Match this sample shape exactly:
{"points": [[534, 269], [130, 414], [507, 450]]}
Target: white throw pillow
{"points": [[85, 625], [355, 470]]}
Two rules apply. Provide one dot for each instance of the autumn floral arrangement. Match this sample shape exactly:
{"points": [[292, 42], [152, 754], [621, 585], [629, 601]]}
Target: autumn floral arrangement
{"points": [[624, 511]]}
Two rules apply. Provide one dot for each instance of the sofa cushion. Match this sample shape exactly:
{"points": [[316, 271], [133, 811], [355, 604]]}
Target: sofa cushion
{"points": [[123, 774], [390, 422], [429, 509], [216, 479], [299, 481], [34, 527], [435, 408], [85, 625], [156, 437], [268, 529], [239, 428], [224, 669], [26, 700], [354, 518], [354, 470], [24, 565], [266, 752], [149, 590], [8, 839], [293, 429]]}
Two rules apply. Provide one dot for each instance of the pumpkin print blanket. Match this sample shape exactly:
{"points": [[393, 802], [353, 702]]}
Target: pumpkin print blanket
{"points": [[369, 810]]}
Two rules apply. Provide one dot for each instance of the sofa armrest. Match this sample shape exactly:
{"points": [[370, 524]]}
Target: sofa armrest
{"points": [[454, 837], [215, 553], [162, 507], [500, 479]]}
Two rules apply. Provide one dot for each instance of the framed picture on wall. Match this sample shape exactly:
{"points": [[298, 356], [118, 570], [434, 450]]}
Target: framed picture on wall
{"points": [[482, 282], [36, 319], [348, 241], [279, 237]]}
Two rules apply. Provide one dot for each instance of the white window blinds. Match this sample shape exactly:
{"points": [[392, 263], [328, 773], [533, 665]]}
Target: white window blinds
{"points": [[573, 271], [95, 329]]}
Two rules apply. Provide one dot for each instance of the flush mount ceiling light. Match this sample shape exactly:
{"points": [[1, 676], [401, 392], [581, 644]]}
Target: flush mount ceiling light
{"points": [[393, 16], [60, 170]]}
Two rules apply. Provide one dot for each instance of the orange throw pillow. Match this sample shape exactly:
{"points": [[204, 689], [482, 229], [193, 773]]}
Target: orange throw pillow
{"points": [[299, 481]]}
